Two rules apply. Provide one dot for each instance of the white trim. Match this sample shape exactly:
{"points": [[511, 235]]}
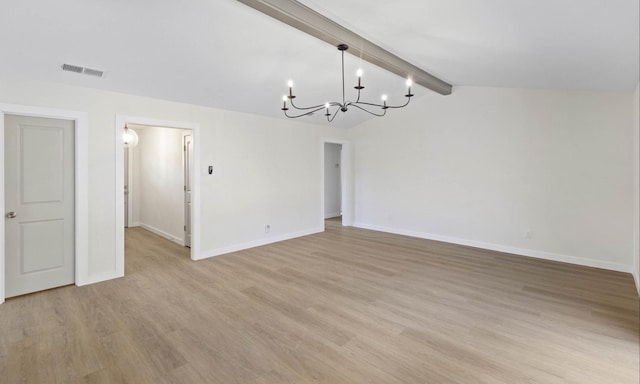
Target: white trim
{"points": [[345, 168], [121, 120], [184, 176], [258, 243], [159, 232], [636, 187], [501, 248], [100, 277], [81, 129], [131, 195]]}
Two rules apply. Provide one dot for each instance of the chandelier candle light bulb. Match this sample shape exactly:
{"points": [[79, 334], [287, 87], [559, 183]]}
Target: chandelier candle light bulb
{"points": [[345, 104], [409, 83], [290, 85], [359, 74]]}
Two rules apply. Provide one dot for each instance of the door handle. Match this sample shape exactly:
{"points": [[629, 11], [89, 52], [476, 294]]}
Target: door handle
{"points": [[11, 215]]}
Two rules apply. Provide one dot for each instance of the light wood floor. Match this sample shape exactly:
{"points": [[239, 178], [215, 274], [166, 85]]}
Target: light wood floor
{"points": [[345, 306]]}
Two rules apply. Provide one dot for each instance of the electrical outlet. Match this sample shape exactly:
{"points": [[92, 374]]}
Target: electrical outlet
{"points": [[267, 228]]}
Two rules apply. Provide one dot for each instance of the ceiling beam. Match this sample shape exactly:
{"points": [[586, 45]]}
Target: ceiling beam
{"points": [[311, 22]]}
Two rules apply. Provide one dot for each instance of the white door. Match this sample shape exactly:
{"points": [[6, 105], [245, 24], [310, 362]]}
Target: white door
{"points": [[188, 161], [39, 204]]}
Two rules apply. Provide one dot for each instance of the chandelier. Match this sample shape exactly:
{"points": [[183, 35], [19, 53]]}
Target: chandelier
{"points": [[332, 108]]}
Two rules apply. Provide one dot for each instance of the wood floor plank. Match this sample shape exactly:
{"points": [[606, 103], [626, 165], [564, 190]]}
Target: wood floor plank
{"points": [[344, 306]]}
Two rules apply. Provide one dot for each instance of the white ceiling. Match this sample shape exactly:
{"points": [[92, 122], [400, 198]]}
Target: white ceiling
{"points": [[221, 53]]}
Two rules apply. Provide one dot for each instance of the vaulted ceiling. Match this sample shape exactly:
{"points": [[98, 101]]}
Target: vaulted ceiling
{"points": [[223, 54]]}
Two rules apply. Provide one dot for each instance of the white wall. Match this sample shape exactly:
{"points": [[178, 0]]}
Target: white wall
{"points": [[482, 166], [266, 171], [332, 186], [486, 166], [636, 186], [158, 184]]}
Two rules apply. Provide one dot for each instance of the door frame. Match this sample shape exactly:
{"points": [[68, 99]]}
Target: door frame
{"points": [[81, 159], [345, 167], [187, 174], [120, 122]]}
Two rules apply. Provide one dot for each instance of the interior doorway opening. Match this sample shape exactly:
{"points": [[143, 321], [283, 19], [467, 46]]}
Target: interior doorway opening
{"points": [[335, 174], [158, 176], [332, 181], [176, 126]]}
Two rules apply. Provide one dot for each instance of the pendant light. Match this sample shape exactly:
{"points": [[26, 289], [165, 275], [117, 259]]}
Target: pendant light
{"points": [[129, 137]]}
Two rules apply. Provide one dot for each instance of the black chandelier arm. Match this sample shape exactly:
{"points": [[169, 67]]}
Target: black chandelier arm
{"points": [[400, 106], [365, 103], [381, 105], [306, 108], [369, 112], [303, 114], [330, 119]]}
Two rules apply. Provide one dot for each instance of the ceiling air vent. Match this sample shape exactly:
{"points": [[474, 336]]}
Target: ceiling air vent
{"points": [[93, 72], [72, 68], [82, 70]]}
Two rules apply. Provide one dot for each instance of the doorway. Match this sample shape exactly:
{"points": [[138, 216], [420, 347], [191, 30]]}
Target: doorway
{"points": [[335, 176], [332, 181], [157, 182], [134, 197]]}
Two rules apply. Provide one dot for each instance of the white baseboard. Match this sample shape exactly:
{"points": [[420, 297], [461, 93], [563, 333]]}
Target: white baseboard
{"points": [[636, 278], [257, 243], [503, 248], [92, 279], [159, 232], [331, 215]]}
